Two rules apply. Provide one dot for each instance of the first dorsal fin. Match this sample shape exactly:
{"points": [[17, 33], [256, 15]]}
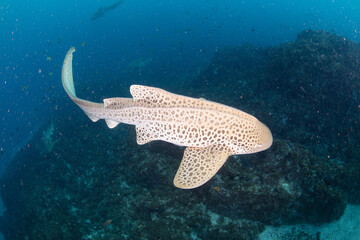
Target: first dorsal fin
{"points": [[157, 97], [151, 95]]}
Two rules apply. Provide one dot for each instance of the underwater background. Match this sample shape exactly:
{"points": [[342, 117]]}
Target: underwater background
{"points": [[292, 64]]}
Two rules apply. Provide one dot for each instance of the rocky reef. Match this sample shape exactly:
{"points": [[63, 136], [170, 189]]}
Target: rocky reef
{"points": [[97, 183]]}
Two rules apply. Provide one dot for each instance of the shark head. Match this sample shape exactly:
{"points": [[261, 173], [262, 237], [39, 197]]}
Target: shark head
{"points": [[249, 137], [258, 139]]}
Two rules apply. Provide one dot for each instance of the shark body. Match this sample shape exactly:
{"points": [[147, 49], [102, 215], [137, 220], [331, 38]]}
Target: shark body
{"points": [[210, 131]]}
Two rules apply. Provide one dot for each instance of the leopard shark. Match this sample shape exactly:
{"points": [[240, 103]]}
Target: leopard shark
{"points": [[210, 131]]}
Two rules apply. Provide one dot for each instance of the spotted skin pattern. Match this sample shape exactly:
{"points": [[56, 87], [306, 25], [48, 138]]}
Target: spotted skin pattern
{"points": [[210, 131]]}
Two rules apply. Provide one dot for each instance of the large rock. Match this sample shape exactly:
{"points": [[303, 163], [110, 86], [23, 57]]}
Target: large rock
{"points": [[283, 185]]}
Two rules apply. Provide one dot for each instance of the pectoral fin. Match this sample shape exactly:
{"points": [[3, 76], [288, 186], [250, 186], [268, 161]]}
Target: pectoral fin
{"points": [[199, 165]]}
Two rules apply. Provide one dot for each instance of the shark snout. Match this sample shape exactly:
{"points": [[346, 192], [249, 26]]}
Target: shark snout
{"points": [[265, 139]]}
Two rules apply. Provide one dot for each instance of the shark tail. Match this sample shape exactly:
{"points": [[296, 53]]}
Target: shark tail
{"points": [[68, 84], [67, 74]]}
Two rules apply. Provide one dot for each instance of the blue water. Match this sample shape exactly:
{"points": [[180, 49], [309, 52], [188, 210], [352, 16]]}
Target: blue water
{"points": [[179, 36]]}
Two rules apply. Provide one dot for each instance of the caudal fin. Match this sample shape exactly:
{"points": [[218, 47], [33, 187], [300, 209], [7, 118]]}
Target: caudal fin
{"points": [[67, 74], [93, 110]]}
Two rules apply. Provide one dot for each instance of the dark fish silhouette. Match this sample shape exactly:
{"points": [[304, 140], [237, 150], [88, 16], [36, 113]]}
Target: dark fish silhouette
{"points": [[102, 10]]}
